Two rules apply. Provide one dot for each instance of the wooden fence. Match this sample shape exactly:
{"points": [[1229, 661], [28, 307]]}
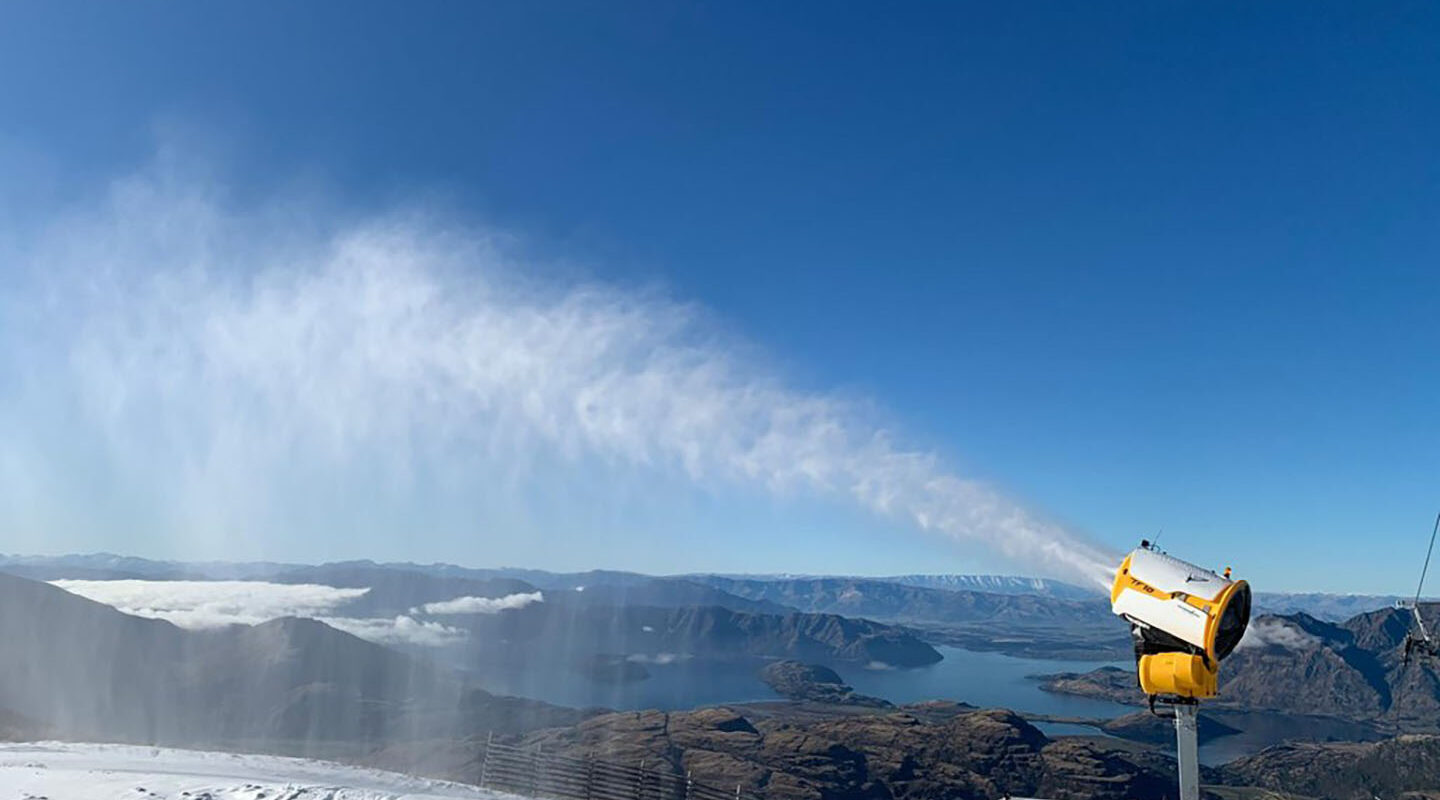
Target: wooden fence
{"points": [[534, 773]]}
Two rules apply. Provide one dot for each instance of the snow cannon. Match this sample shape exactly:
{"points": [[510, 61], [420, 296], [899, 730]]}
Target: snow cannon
{"points": [[1184, 620]]}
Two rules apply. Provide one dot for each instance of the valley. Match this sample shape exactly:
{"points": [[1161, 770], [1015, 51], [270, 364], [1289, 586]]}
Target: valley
{"points": [[714, 675]]}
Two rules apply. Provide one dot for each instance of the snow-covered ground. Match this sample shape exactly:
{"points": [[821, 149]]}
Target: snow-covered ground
{"points": [[69, 771]]}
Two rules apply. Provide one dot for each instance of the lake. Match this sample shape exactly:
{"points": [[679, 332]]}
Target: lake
{"points": [[988, 680]]}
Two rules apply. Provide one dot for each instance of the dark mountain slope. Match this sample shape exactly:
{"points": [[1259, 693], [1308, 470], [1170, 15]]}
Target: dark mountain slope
{"points": [[88, 671], [1297, 664], [1405, 766], [861, 756]]}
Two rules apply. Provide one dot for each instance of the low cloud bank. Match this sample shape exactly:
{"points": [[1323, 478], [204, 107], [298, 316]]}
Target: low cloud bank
{"points": [[482, 605], [212, 604], [199, 605], [402, 630]]}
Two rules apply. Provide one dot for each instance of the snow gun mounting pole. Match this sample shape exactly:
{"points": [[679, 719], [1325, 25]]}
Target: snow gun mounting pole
{"points": [[1187, 749]]}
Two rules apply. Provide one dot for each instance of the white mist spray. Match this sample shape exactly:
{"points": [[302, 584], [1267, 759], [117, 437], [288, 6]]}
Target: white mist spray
{"points": [[228, 341]]}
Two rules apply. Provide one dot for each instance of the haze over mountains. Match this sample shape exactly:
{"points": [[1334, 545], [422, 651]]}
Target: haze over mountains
{"points": [[1334, 607], [395, 659], [609, 625]]}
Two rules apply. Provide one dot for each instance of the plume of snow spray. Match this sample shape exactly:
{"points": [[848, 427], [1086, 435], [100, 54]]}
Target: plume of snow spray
{"points": [[1277, 633], [227, 342]]}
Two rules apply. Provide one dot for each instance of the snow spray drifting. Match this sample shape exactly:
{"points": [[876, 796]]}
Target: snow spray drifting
{"points": [[227, 342]]}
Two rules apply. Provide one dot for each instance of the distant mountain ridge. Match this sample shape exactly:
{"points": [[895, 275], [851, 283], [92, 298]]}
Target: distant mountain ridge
{"points": [[876, 598], [1330, 607], [937, 603], [997, 584], [569, 632], [110, 566]]}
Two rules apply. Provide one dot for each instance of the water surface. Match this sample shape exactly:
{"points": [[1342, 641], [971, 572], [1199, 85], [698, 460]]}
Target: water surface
{"points": [[983, 679], [988, 680]]}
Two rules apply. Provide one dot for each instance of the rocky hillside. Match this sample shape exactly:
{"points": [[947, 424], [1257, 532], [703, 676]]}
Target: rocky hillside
{"points": [[1406, 766], [1106, 683], [814, 683], [1297, 664], [866, 756]]}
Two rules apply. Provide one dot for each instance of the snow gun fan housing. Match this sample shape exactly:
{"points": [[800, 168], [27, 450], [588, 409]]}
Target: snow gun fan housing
{"points": [[1184, 620]]}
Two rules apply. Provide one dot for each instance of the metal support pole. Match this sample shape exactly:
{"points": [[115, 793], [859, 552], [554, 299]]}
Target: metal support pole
{"points": [[1187, 751], [485, 760]]}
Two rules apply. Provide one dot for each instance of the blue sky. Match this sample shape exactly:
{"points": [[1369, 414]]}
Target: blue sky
{"points": [[1141, 265]]}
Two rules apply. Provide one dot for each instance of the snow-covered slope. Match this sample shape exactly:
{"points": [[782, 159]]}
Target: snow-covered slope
{"points": [[68, 771]]}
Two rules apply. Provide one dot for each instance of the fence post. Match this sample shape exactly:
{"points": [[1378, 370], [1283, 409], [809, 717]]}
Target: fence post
{"points": [[589, 775], [535, 772], [689, 784], [485, 760], [737, 791], [640, 782]]}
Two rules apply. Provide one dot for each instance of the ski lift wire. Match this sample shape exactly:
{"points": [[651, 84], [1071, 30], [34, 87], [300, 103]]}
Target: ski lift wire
{"points": [[1426, 568]]}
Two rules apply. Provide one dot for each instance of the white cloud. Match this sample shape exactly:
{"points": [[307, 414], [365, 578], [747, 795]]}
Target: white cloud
{"points": [[212, 351], [400, 630], [482, 605], [658, 659], [211, 604]]}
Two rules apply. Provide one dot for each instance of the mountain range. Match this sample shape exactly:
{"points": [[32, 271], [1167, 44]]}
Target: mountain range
{"points": [[1333, 607], [1295, 664], [87, 671], [73, 668]]}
